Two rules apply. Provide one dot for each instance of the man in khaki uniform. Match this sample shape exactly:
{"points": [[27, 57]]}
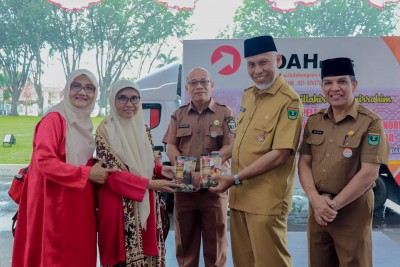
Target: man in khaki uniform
{"points": [[202, 126], [263, 161], [342, 149]]}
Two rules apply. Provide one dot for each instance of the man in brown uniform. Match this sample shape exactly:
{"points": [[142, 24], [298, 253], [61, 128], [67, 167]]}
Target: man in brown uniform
{"points": [[202, 126], [263, 161], [342, 149]]}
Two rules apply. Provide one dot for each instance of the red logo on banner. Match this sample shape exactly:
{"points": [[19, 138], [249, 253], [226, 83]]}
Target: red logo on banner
{"points": [[229, 57]]}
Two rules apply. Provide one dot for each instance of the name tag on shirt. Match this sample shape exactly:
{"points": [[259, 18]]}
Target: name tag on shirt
{"points": [[317, 132]]}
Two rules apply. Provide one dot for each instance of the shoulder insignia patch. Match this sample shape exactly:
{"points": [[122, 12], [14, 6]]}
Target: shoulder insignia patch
{"points": [[374, 129], [374, 138], [231, 124], [293, 113]]}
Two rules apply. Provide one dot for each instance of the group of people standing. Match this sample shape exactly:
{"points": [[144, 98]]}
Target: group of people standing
{"points": [[69, 198]]}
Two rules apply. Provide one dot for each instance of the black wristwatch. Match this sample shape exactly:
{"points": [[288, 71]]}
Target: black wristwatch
{"points": [[236, 180]]}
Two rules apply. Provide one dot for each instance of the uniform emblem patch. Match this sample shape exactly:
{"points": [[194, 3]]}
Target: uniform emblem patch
{"points": [[261, 137], [374, 129], [347, 153], [373, 138], [292, 113], [231, 124]]}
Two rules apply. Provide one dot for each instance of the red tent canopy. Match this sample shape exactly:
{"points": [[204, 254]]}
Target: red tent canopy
{"points": [[279, 5]]}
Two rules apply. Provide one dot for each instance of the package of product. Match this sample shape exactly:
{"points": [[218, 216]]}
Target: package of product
{"points": [[205, 170], [215, 168], [210, 168], [184, 167]]}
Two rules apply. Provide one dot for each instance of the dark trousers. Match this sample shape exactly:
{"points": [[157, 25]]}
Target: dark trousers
{"points": [[201, 216], [347, 241]]}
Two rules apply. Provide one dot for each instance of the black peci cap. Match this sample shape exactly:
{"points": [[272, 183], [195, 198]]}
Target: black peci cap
{"points": [[258, 45], [337, 67]]}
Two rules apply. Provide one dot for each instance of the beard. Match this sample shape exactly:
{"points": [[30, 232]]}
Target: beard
{"points": [[265, 86]]}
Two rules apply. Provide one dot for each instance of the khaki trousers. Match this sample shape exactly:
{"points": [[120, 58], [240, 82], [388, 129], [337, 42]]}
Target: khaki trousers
{"points": [[259, 240]]}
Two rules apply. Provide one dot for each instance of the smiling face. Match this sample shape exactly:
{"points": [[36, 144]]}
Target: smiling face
{"points": [[199, 86], [263, 68], [339, 91], [123, 102], [82, 98]]}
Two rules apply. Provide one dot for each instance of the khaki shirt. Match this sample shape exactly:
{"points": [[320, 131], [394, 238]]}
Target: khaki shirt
{"points": [[195, 133], [268, 120], [338, 149]]}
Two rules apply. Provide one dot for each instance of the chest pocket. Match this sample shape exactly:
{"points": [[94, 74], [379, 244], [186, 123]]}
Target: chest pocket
{"points": [[262, 137], [349, 149], [316, 142], [214, 137], [184, 135]]}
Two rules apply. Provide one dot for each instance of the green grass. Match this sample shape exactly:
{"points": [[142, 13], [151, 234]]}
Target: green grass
{"points": [[22, 127]]}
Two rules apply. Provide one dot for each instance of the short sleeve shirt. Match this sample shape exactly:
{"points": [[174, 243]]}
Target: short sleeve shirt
{"points": [[268, 120], [338, 149], [195, 133]]}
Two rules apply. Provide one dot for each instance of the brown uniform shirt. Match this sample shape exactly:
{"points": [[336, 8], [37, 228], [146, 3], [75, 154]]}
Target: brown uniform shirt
{"points": [[196, 133], [338, 149], [270, 119]]}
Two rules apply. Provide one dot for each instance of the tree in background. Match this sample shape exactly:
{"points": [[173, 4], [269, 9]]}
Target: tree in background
{"points": [[122, 31], [326, 18], [15, 49], [67, 36], [39, 36], [6, 94]]}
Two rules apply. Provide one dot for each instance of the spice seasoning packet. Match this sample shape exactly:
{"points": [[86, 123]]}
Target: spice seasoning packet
{"points": [[184, 168], [210, 168]]}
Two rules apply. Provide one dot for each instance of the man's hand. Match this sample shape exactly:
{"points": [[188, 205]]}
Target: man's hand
{"points": [[196, 181], [163, 185], [168, 171], [98, 173], [322, 208], [224, 182]]}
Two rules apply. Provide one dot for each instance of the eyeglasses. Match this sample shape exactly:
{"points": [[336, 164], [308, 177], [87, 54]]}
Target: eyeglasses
{"points": [[194, 83], [78, 87], [123, 99]]}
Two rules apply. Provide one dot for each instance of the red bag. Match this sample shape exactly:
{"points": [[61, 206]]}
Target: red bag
{"points": [[15, 190]]}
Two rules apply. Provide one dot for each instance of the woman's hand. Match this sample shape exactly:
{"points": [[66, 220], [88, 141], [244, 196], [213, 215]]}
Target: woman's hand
{"points": [[163, 185], [98, 173]]}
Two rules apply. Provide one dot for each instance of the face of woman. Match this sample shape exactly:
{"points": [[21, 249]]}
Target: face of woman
{"points": [[127, 102], [82, 92]]}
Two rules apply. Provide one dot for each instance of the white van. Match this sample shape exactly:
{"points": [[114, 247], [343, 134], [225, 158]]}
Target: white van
{"points": [[159, 92]]}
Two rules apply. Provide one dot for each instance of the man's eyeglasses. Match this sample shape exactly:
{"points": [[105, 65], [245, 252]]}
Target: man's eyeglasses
{"points": [[123, 99], [88, 88], [194, 83]]}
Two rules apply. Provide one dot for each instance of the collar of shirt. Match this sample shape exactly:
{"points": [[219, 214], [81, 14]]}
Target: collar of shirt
{"points": [[353, 111], [273, 89], [211, 107]]}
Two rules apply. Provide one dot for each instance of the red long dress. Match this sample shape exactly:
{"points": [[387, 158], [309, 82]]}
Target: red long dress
{"points": [[56, 223]]}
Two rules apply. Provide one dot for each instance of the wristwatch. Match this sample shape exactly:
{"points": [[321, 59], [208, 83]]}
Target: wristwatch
{"points": [[236, 180]]}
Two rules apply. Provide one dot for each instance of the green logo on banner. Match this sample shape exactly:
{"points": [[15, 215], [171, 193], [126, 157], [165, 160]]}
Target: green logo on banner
{"points": [[373, 139], [292, 114]]}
